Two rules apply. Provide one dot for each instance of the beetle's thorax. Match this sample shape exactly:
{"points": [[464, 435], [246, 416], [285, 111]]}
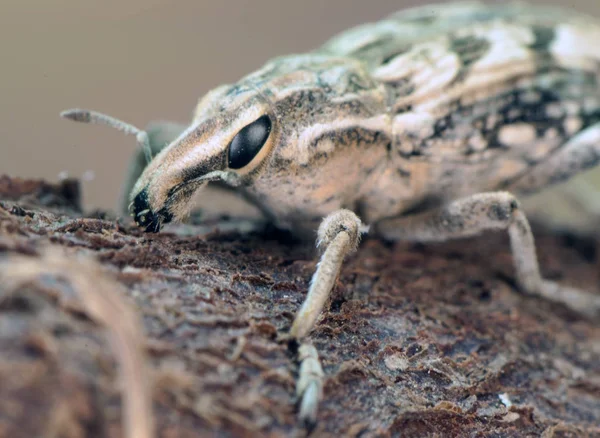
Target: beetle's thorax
{"points": [[335, 137]]}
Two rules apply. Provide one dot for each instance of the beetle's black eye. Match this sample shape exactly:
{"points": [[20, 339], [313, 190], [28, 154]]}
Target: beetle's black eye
{"points": [[248, 142]]}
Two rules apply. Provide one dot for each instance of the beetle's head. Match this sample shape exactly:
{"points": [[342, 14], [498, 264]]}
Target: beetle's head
{"points": [[272, 126], [221, 144]]}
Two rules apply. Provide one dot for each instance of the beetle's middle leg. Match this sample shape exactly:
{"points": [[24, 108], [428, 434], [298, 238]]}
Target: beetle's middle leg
{"points": [[490, 211]]}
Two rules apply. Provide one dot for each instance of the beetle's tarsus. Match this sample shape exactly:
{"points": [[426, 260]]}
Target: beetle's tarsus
{"points": [[580, 301], [309, 387]]}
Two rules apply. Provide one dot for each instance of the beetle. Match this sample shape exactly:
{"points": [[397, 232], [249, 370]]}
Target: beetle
{"points": [[425, 126]]}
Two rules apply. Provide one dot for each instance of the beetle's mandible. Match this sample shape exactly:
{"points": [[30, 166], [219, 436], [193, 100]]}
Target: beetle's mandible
{"points": [[449, 112]]}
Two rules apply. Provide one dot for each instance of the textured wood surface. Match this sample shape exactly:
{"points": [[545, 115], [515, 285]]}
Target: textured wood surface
{"points": [[417, 340]]}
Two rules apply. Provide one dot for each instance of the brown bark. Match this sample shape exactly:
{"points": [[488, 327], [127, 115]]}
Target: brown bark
{"points": [[417, 340]]}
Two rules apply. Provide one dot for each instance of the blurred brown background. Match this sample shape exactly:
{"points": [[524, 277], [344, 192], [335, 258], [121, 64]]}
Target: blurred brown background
{"points": [[141, 60]]}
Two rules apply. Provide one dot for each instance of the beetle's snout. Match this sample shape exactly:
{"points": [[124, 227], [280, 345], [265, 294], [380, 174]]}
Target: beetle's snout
{"points": [[144, 216]]}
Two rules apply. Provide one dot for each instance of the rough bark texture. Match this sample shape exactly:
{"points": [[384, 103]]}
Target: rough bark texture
{"points": [[417, 340]]}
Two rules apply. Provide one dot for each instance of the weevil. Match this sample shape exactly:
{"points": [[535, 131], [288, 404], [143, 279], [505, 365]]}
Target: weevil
{"points": [[427, 126]]}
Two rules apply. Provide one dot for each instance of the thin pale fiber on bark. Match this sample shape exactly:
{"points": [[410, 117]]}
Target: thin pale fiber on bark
{"points": [[416, 340]]}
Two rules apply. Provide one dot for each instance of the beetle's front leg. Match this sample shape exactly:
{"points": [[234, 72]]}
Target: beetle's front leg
{"points": [[491, 211], [338, 236]]}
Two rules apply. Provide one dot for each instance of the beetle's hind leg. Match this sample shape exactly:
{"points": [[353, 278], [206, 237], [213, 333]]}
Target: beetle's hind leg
{"points": [[491, 211]]}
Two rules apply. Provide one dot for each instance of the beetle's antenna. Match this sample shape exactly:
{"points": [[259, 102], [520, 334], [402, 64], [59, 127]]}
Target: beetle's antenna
{"points": [[94, 117]]}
